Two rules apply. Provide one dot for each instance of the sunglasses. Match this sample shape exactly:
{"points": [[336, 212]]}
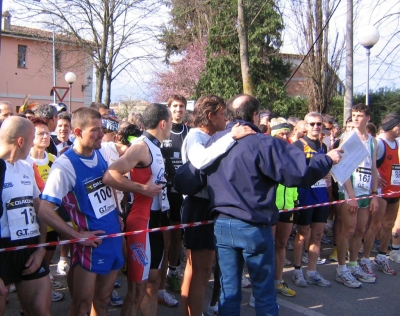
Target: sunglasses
{"points": [[315, 123]]}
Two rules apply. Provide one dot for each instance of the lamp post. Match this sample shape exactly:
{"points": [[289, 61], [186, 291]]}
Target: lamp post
{"points": [[70, 78], [368, 38]]}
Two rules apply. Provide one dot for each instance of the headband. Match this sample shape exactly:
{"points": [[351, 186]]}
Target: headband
{"points": [[390, 124]]}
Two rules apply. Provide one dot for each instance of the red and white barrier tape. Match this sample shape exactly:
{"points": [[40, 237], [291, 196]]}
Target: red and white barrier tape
{"points": [[164, 228]]}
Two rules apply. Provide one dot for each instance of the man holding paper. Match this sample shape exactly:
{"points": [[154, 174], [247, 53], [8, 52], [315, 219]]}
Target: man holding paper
{"points": [[362, 182]]}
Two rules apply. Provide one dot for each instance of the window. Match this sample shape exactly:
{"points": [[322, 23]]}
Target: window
{"points": [[21, 56]]}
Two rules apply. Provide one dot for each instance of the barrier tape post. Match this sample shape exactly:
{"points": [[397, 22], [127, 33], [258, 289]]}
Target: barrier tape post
{"points": [[179, 226]]}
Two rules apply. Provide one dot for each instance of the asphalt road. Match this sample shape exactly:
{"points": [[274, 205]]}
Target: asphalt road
{"points": [[380, 298]]}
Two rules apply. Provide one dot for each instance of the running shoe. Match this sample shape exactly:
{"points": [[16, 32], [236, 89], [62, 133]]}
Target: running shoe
{"points": [[212, 310], [395, 256], [56, 285], [361, 250], [304, 259], [245, 282], [56, 296], [115, 299], [284, 289], [383, 264], [375, 247], [317, 279], [366, 266], [298, 278], [325, 240], [328, 231], [287, 263], [117, 284], [174, 282], [252, 301], [333, 255], [167, 299], [361, 276], [12, 288], [62, 268], [347, 279]]}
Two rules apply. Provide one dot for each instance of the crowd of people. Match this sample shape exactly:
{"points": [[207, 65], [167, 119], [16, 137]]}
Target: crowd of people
{"points": [[87, 174]]}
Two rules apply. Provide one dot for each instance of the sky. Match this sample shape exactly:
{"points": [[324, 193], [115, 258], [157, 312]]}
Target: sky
{"points": [[383, 71]]}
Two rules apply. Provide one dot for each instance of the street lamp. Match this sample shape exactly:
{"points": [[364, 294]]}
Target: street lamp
{"points": [[70, 78], [368, 38]]}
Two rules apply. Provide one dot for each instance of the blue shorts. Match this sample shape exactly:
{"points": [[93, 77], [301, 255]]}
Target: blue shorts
{"points": [[102, 259]]}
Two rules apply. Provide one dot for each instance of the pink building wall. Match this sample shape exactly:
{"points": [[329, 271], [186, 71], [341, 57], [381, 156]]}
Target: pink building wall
{"points": [[37, 79]]}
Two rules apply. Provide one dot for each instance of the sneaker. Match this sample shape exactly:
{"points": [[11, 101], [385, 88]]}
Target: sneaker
{"points": [[298, 278], [375, 248], [212, 310], [289, 245], [62, 268], [284, 289], [56, 285], [56, 296], [117, 284], [287, 263], [317, 279], [12, 288], [395, 256], [321, 261], [347, 278], [361, 250], [366, 266], [361, 276], [383, 264], [252, 301], [115, 299], [245, 282], [304, 258], [328, 231], [167, 299], [325, 240], [333, 256], [174, 283]]}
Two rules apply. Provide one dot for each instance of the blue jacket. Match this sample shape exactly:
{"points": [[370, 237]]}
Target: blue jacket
{"points": [[242, 183]]}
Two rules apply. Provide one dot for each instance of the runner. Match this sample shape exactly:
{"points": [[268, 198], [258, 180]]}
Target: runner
{"points": [[355, 214], [79, 170], [20, 200], [143, 161]]}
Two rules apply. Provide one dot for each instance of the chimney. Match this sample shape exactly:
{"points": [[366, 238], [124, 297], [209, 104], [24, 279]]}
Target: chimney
{"points": [[6, 21]]}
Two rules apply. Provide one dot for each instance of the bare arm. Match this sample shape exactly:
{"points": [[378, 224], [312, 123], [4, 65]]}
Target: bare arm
{"points": [[137, 154]]}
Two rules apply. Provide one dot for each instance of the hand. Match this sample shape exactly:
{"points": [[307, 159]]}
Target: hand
{"points": [[374, 205], [87, 234], [353, 206], [3, 288], [152, 189], [335, 154], [34, 261], [239, 131], [121, 223]]}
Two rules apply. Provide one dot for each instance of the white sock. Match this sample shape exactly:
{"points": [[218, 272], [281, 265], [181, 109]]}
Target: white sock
{"points": [[341, 268]]}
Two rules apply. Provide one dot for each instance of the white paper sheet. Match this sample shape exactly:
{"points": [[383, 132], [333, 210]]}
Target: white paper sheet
{"points": [[354, 153]]}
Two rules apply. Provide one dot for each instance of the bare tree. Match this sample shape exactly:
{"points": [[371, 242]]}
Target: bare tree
{"points": [[324, 55], [114, 33]]}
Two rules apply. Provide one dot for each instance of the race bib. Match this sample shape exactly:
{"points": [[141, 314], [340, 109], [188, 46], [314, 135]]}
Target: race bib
{"points": [[101, 197], [319, 184], [22, 218], [395, 177], [362, 178]]}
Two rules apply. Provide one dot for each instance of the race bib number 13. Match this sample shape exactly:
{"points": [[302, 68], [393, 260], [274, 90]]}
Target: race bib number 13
{"points": [[395, 178], [22, 218], [101, 197]]}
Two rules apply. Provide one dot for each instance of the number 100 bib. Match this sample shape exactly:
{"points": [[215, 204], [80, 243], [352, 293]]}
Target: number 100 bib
{"points": [[101, 197]]}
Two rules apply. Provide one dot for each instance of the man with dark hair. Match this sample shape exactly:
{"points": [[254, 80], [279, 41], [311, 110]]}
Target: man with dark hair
{"points": [[143, 161], [242, 188], [78, 173], [171, 150], [48, 112], [382, 220], [101, 107], [63, 130], [6, 110]]}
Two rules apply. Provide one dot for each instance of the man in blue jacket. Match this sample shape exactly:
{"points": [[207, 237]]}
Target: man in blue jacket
{"points": [[242, 186]]}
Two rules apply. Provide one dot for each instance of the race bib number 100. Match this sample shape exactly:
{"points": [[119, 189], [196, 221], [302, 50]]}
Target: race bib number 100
{"points": [[320, 184], [395, 178], [101, 197], [22, 218]]}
